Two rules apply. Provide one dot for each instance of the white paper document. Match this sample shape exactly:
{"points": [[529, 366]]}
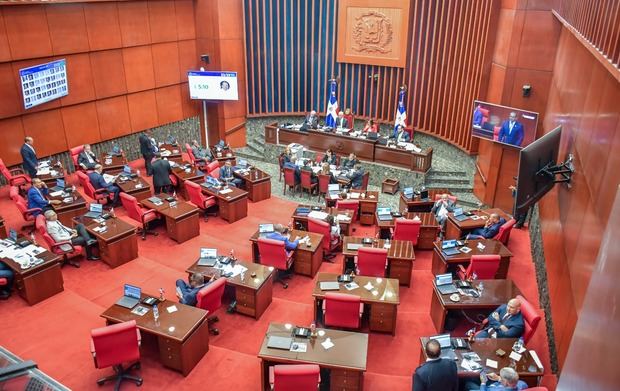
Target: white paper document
{"points": [[327, 344], [171, 309], [515, 356], [491, 363], [317, 214]]}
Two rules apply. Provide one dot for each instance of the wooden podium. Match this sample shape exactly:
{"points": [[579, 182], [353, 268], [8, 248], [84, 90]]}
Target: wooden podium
{"points": [[496, 168]]}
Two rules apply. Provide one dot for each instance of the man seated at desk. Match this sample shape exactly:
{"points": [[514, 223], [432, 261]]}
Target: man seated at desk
{"points": [[329, 158], [356, 177], [187, 292], [401, 136], [311, 121], [341, 122], [6, 272], [292, 164], [505, 322], [161, 175], [96, 179], [201, 153], [308, 167], [281, 233], [442, 207], [490, 229], [226, 175], [78, 236], [436, 374], [87, 159], [36, 197], [350, 162], [508, 379]]}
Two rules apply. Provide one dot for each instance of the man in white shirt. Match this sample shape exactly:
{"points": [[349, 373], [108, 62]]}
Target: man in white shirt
{"points": [[441, 209], [78, 236]]}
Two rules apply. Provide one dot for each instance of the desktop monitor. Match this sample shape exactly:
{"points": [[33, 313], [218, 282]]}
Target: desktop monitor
{"points": [[490, 121]]}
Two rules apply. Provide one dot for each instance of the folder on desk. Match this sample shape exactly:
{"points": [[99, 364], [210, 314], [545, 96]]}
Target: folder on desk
{"points": [[329, 286], [354, 246], [276, 342]]}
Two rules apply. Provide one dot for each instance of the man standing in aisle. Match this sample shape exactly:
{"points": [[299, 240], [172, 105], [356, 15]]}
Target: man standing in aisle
{"points": [[29, 157]]}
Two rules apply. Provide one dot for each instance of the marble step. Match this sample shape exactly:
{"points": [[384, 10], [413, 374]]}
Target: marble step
{"points": [[449, 179], [434, 173], [453, 187]]}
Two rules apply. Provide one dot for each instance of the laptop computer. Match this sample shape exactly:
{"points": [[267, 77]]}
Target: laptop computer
{"points": [[329, 286], [408, 192], [445, 342], [354, 246], [131, 296], [94, 211], [265, 229], [60, 185], [333, 189], [277, 342], [208, 257], [458, 214], [384, 213], [242, 163], [444, 284]]}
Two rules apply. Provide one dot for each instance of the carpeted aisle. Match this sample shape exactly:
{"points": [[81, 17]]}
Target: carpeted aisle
{"points": [[55, 333]]}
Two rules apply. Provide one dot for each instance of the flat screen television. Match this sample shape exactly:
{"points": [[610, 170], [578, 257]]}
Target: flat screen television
{"points": [[43, 83], [213, 85], [532, 184], [493, 122]]}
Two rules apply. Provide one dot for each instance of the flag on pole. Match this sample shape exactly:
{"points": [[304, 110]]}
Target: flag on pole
{"points": [[401, 112], [332, 106]]}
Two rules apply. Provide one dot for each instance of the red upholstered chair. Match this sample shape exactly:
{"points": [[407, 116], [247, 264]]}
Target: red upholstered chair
{"points": [[22, 207], [531, 318], [200, 163], [200, 200], [350, 119], [485, 116], [173, 180], [371, 261], [342, 310], [323, 228], [538, 389], [111, 346], [210, 298], [504, 231], [101, 196], [349, 204], [15, 177], [365, 178], [75, 153], [65, 249], [323, 185], [215, 173], [410, 132], [138, 213], [212, 166], [289, 180], [306, 182], [496, 130], [485, 267], [281, 165], [273, 253], [318, 158], [405, 229], [304, 377], [450, 197]]}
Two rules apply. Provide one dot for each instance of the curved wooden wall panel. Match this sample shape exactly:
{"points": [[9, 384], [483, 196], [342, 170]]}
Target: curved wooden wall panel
{"points": [[291, 53]]}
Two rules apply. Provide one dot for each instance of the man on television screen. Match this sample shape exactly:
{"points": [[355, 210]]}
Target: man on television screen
{"points": [[511, 131]]}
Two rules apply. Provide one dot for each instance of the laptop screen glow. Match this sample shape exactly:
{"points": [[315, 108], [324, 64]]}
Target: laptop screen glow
{"points": [[458, 211], [383, 211], [132, 291], [208, 253], [443, 339], [263, 228], [333, 187], [443, 279], [127, 169], [96, 208], [60, 183]]}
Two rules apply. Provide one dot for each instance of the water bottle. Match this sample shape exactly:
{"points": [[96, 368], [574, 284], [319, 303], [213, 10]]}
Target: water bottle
{"points": [[312, 330], [155, 312], [174, 194]]}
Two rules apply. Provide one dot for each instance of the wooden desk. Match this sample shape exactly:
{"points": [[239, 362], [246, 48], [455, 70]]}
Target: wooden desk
{"points": [[416, 204], [252, 294], [194, 175], [494, 294], [257, 183], [39, 282], [400, 157], [112, 164], [346, 360], [118, 244], [223, 155], [306, 260], [486, 348], [301, 220], [66, 211], [55, 174], [175, 152], [181, 220], [3, 233], [136, 187], [457, 229], [382, 302], [400, 257], [367, 204], [182, 336], [233, 206], [429, 228], [443, 263]]}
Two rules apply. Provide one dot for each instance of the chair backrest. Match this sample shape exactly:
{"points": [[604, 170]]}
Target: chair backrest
{"points": [[450, 197], [14, 192], [531, 318], [303, 377], [195, 194], [190, 153], [41, 226], [318, 158], [130, 203], [86, 185], [306, 178], [212, 166], [210, 297], [371, 261], [22, 206], [281, 162], [485, 266], [75, 152], [538, 389], [323, 228], [342, 310], [405, 229], [323, 183], [5, 171], [289, 176], [216, 172], [272, 253], [349, 204], [504, 231], [365, 178], [349, 118], [116, 344], [410, 133]]}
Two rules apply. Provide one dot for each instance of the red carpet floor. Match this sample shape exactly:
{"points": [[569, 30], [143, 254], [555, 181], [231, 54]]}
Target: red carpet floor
{"points": [[55, 333]]}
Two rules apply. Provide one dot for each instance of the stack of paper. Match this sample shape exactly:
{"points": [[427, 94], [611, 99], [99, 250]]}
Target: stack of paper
{"points": [[317, 214]]}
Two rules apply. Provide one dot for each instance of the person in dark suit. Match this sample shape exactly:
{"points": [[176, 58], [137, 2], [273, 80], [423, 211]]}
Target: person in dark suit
{"points": [[147, 150], [311, 121], [436, 374], [490, 229], [511, 131], [401, 135], [281, 233], [187, 292], [329, 158], [226, 175], [96, 179], [356, 177], [505, 322], [36, 197], [87, 159], [161, 175], [29, 157], [292, 164], [478, 117], [201, 153], [350, 162], [307, 167], [341, 122]]}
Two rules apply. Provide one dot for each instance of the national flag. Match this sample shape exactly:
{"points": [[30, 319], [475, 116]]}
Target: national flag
{"points": [[401, 112], [332, 106]]}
